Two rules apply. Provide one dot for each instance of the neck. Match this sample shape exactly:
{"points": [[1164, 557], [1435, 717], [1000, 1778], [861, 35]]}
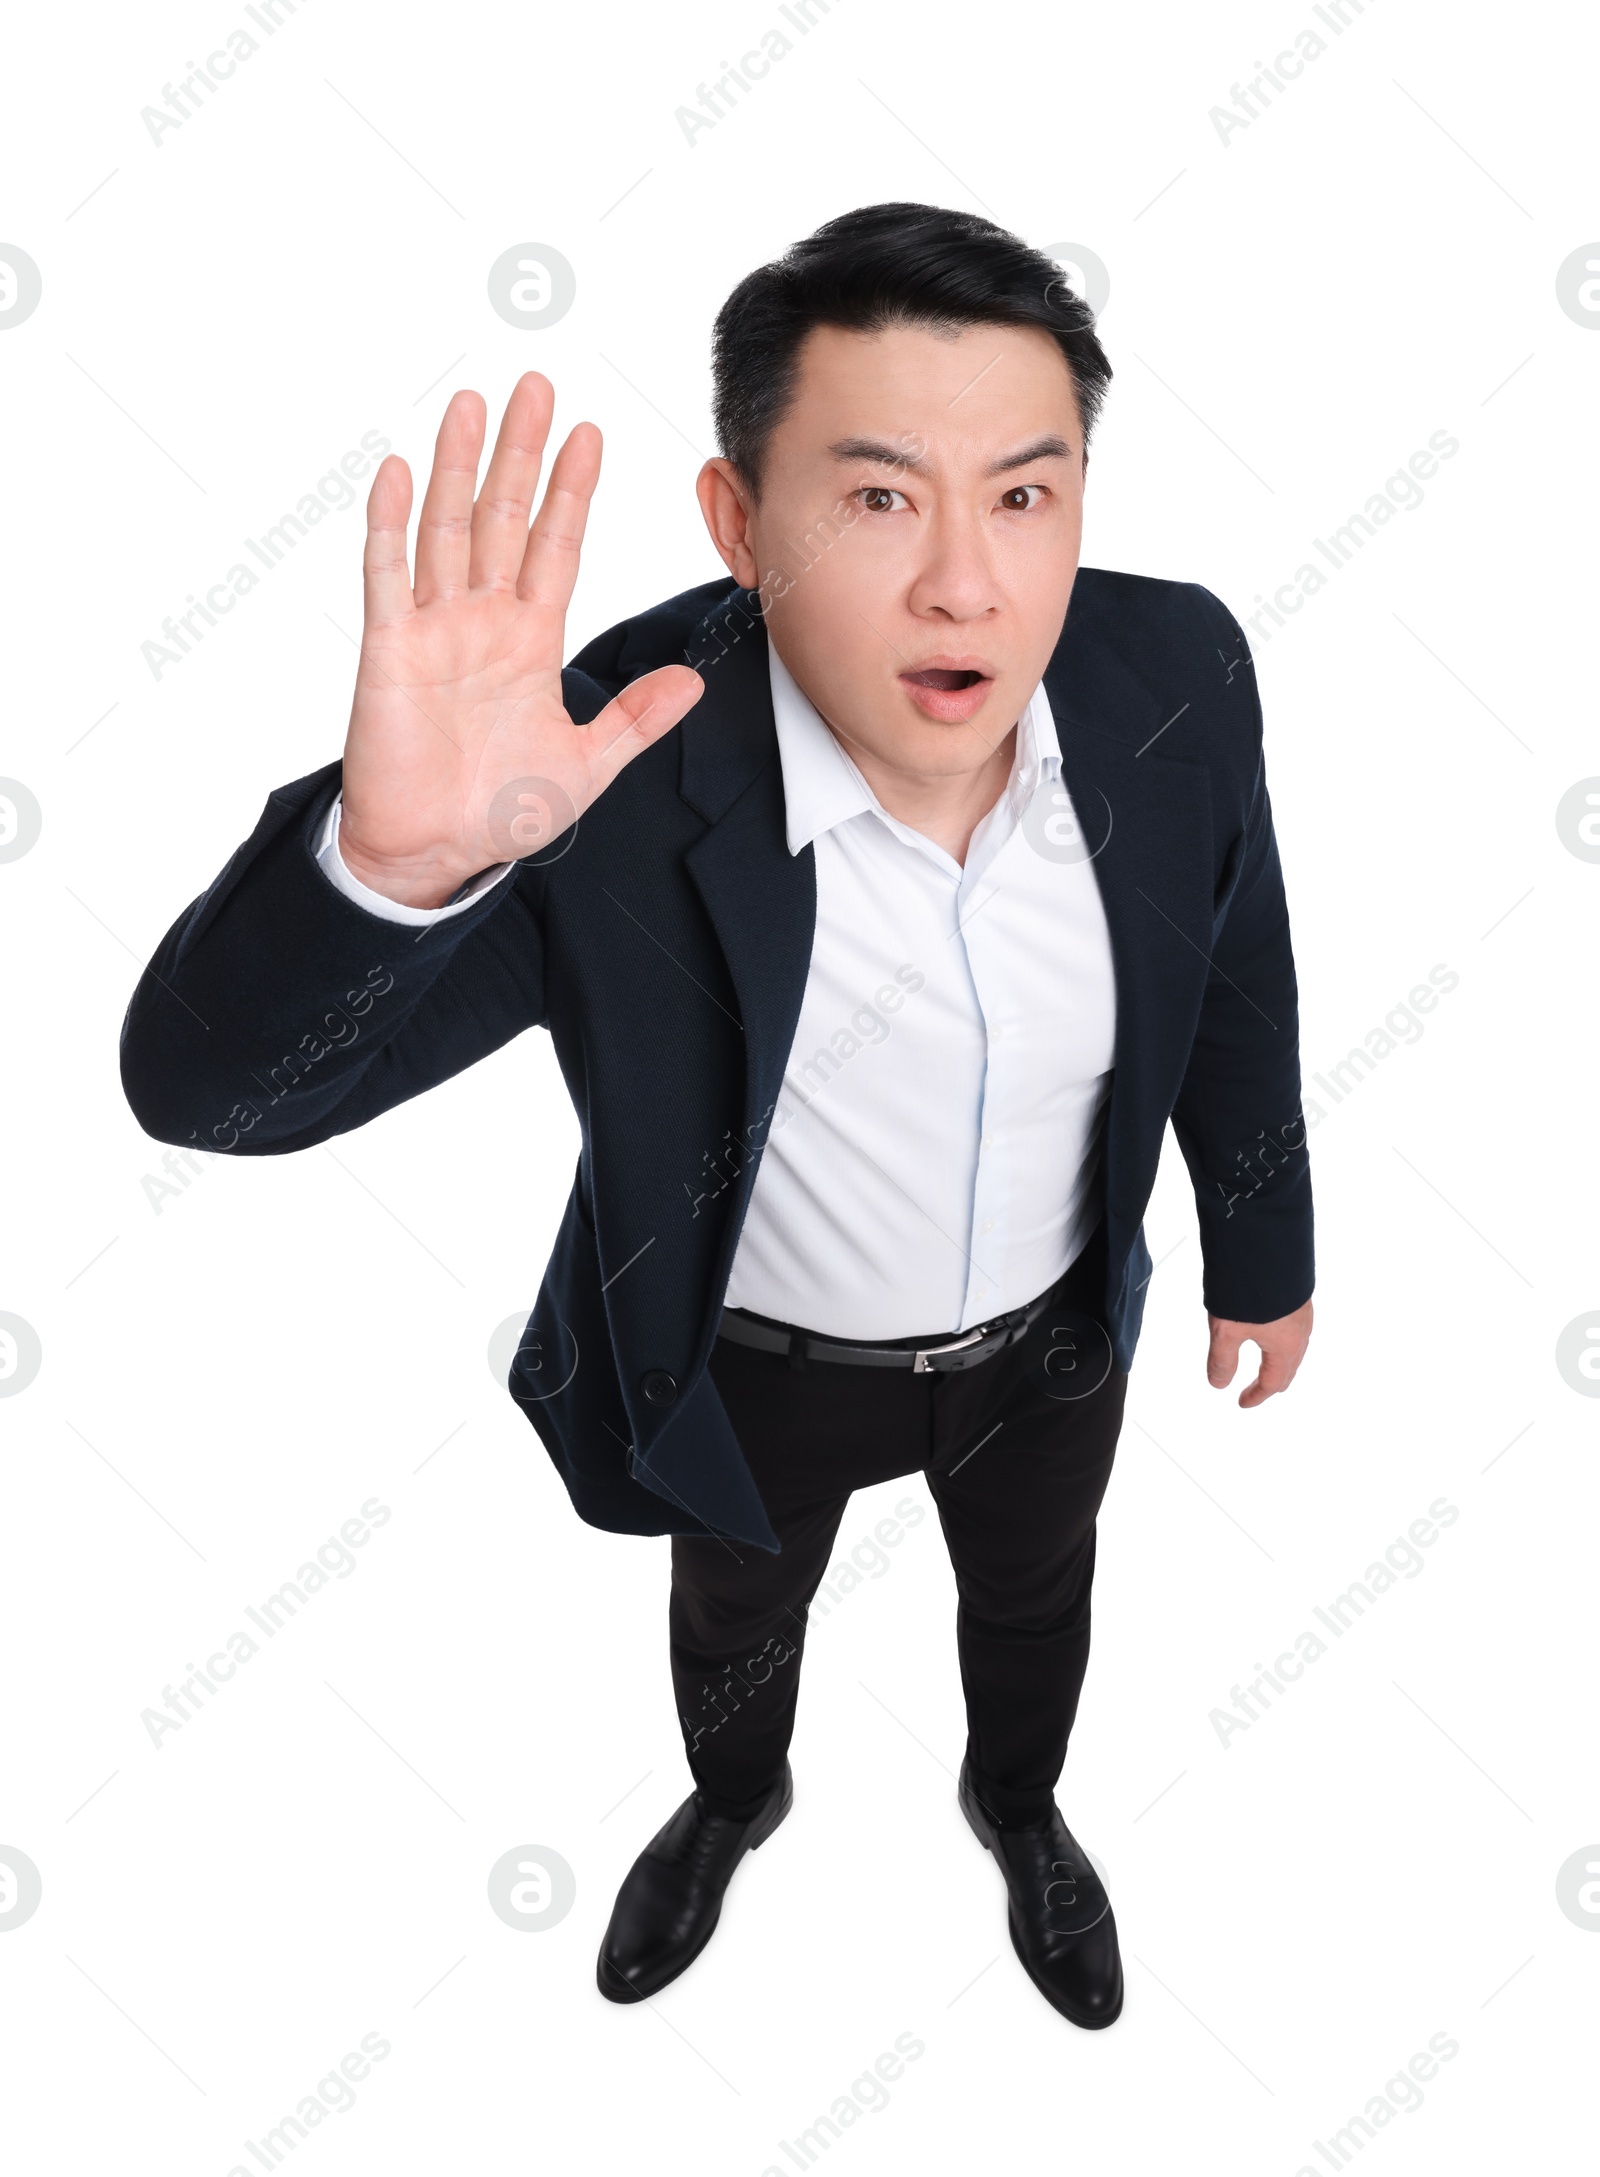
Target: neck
{"points": [[945, 807]]}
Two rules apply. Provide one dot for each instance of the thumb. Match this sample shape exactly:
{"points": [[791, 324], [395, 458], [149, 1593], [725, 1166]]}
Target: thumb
{"points": [[639, 715], [1223, 1358]]}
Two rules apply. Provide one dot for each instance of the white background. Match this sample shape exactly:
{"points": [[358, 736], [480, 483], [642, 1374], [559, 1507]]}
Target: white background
{"points": [[227, 1376]]}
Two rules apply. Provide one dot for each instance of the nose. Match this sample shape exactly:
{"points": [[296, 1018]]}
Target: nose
{"points": [[955, 579]]}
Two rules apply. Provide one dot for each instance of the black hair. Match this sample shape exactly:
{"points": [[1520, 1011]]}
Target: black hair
{"points": [[886, 264]]}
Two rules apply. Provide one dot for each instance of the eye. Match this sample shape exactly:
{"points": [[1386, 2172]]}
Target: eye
{"points": [[1017, 499], [876, 498]]}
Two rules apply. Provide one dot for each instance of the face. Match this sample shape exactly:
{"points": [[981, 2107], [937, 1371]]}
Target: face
{"points": [[917, 534]]}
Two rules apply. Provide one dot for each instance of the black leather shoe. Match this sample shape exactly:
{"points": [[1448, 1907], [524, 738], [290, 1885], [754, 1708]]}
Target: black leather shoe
{"points": [[671, 1898], [1062, 1925]]}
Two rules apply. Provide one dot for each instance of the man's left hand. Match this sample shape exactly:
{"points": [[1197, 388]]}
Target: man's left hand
{"points": [[1282, 1346]]}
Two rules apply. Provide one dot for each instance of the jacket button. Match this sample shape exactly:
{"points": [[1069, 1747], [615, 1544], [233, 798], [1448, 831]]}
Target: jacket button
{"points": [[659, 1388]]}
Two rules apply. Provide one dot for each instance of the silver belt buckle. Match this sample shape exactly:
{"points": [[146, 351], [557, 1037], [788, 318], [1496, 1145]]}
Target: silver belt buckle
{"points": [[919, 1366]]}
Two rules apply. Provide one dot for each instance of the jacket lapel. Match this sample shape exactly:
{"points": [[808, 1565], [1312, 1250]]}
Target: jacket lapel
{"points": [[761, 899]]}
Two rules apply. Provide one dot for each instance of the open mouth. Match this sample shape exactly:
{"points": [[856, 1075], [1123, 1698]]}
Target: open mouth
{"points": [[939, 676], [949, 694]]}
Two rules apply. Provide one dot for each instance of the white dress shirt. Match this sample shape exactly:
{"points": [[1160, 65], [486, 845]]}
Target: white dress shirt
{"points": [[932, 1159]]}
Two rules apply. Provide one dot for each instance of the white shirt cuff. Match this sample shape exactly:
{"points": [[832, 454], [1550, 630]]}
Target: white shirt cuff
{"points": [[331, 862]]}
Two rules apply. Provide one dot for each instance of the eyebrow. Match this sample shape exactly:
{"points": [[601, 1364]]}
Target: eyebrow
{"points": [[873, 449]]}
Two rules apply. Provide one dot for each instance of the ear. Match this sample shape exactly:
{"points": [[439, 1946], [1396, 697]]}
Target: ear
{"points": [[726, 503]]}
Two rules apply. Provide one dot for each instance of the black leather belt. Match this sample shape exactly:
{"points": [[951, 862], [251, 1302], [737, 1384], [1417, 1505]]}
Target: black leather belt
{"points": [[967, 1350]]}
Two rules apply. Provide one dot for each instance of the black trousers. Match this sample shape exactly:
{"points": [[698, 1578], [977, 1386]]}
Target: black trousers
{"points": [[1016, 1452]]}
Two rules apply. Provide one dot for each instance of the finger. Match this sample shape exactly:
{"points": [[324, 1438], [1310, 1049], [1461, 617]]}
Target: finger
{"points": [[550, 562], [500, 518], [1276, 1373], [385, 577], [444, 534], [645, 710], [1223, 1358]]}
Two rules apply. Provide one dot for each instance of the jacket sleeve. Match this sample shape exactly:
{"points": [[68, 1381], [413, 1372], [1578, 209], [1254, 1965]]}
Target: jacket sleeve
{"points": [[277, 1012], [1238, 1118]]}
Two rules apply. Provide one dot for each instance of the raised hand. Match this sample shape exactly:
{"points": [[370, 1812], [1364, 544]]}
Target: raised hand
{"points": [[460, 752]]}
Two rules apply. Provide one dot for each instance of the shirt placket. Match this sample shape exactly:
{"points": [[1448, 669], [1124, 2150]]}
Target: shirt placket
{"points": [[986, 1225]]}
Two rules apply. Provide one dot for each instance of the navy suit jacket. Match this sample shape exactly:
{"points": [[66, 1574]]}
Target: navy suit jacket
{"points": [[665, 944]]}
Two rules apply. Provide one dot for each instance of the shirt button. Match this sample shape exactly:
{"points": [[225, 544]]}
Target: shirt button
{"points": [[658, 1387], [987, 1225]]}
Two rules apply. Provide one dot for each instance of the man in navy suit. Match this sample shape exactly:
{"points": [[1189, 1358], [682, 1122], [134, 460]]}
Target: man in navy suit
{"points": [[875, 985]]}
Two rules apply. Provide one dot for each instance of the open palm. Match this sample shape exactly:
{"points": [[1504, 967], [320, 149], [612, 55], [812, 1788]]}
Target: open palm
{"points": [[460, 752]]}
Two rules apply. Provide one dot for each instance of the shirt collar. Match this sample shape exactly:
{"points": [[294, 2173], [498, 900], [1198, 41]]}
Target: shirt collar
{"points": [[822, 788]]}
